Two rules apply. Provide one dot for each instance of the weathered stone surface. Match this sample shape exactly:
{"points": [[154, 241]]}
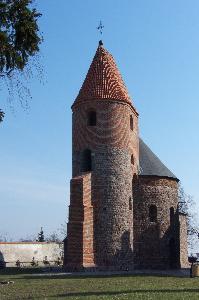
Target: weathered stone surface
{"points": [[156, 244], [10, 252], [182, 235], [112, 188]]}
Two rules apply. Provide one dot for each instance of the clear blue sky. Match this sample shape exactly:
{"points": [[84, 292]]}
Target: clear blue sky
{"points": [[156, 46]]}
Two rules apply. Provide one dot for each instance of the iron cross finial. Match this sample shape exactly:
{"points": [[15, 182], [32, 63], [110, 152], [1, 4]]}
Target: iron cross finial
{"points": [[100, 27]]}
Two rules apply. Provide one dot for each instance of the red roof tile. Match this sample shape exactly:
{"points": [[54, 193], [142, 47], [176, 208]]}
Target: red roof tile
{"points": [[103, 80]]}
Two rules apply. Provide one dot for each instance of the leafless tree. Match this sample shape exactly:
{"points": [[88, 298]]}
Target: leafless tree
{"points": [[187, 206]]}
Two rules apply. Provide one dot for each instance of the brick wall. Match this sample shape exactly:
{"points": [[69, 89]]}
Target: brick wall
{"points": [[112, 130], [80, 226]]}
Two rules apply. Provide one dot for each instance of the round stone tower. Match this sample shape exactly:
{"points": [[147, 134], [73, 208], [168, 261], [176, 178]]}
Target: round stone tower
{"points": [[105, 159]]}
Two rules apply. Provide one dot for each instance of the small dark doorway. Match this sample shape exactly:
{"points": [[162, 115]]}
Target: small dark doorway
{"points": [[173, 263], [86, 165]]}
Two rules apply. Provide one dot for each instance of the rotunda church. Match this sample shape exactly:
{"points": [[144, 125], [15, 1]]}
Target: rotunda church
{"points": [[123, 211]]}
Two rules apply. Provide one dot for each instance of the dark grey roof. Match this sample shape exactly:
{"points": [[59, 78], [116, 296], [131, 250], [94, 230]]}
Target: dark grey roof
{"points": [[150, 164]]}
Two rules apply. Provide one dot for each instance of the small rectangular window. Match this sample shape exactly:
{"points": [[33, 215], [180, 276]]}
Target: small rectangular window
{"points": [[172, 214], [86, 163], [153, 213], [130, 203], [92, 119], [131, 122]]}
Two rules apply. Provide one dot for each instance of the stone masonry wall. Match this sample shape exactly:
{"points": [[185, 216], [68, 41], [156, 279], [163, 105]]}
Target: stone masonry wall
{"points": [[183, 241], [112, 143], [113, 215], [153, 240], [88, 248]]}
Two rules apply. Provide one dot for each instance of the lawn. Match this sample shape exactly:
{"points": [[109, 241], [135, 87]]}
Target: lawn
{"points": [[34, 286]]}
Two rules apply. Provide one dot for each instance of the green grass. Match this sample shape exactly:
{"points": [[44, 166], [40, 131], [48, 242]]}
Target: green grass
{"points": [[33, 286]]}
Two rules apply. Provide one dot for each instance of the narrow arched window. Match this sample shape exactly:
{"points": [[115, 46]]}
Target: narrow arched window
{"points": [[92, 118], [171, 215], [131, 122], [86, 164], [132, 159], [130, 203], [153, 213]]}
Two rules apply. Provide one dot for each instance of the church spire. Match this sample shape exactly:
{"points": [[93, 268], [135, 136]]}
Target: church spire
{"points": [[103, 80]]}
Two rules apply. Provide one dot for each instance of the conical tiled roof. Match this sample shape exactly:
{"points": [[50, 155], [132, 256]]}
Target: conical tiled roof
{"points": [[150, 164], [103, 80]]}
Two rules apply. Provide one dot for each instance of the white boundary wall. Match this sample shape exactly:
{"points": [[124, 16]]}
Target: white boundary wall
{"points": [[25, 251]]}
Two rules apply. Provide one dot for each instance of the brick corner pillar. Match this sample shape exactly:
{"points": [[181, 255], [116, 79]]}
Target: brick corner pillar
{"points": [[79, 252]]}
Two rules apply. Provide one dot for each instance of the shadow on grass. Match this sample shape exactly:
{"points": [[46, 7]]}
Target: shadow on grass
{"points": [[49, 273], [23, 271], [84, 276], [113, 293]]}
